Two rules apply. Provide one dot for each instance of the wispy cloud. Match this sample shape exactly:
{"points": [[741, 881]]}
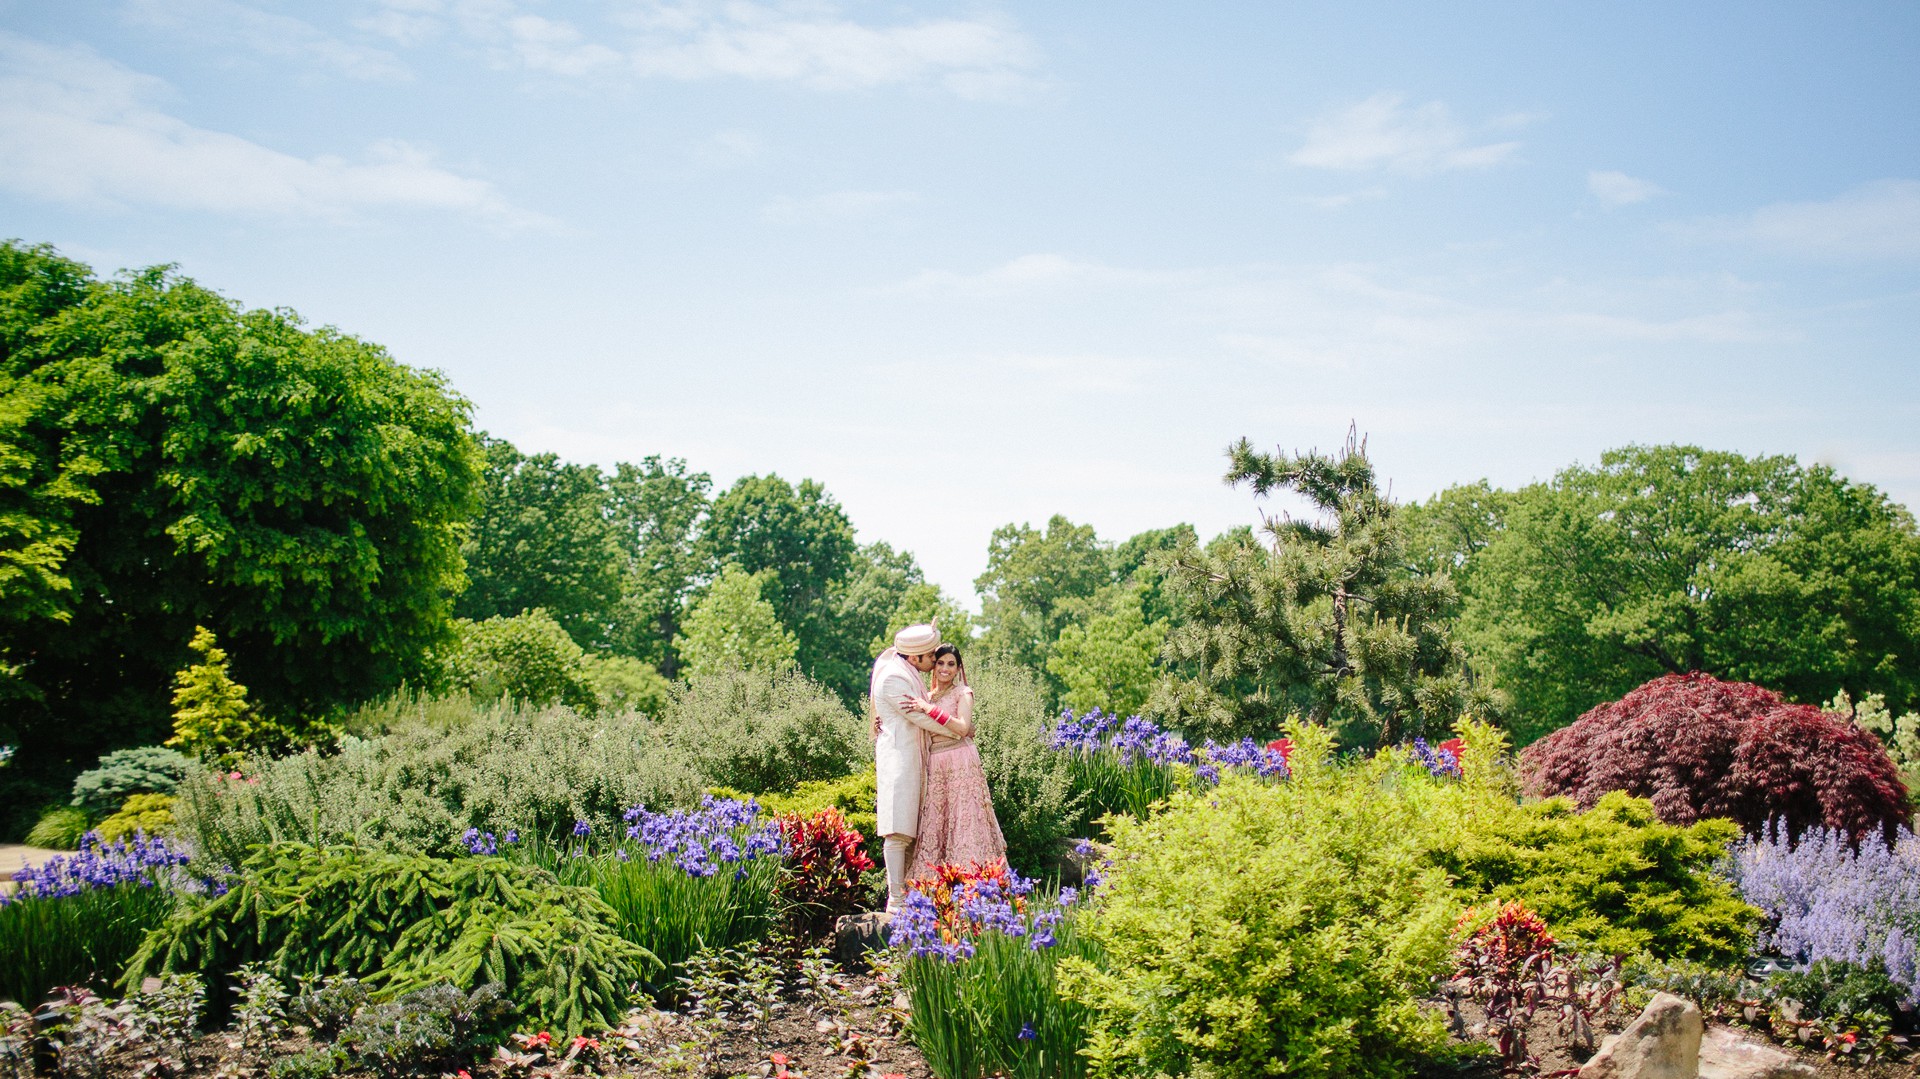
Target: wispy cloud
{"points": [[79, 128], [225, 24], [1383, 132], [1877, 220], [833, 206], [1618, 189], [728, 149]]}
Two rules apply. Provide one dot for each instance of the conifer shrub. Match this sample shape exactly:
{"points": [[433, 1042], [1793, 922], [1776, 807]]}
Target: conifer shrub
{"points": [[1615, 879], [143, 814], [105, 787], [764, 730], [1261, 929], [1698, 747], [402, 922], [426, 772]]}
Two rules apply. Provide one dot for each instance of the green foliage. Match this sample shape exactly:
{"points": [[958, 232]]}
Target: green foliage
{"points": [[528, 657], [1329, 622], [168, 460], [1032, 579], [1670, 559], [424, 770], [1616, 879], [656, 507], [804, 538], [429, 1030], [1900, 736], [59, 828], [211, 719], [624, 684], [853, 795], [1107, 661], [404, 922], [542, 539], [83, 939], [124, 772], [1032, 785], [672, 914], [763, 731], [733, 627], [888, 592], [1259, 929], [151, 814], [1845, 994]]}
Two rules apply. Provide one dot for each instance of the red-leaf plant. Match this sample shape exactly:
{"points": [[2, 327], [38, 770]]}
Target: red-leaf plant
{"points": [[1699, 747], [825, 857], [1514, 967]]}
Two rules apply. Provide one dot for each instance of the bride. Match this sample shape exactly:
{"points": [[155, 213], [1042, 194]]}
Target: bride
{"points": [[957, 825]]}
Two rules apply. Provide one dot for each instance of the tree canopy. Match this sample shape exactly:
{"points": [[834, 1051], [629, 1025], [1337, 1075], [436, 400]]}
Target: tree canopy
{"points": [[170, 460]]}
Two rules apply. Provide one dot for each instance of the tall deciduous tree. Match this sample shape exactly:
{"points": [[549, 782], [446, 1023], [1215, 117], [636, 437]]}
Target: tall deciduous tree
{"points": [[1108, 660], [657, 507], [734, 627], [1328, 621], [1670, 559], [1035, 584], [543, 538], [169, 460]]}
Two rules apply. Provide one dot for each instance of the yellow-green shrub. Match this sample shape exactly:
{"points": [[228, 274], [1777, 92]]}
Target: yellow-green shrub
{"points": [[149, 813]]}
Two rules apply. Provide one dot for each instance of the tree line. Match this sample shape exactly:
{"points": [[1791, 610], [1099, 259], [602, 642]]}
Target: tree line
{"points": [[171, 462]]}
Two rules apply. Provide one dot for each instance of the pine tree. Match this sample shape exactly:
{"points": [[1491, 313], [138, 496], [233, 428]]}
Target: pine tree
{"points": [[211, 717], [1328, 621]]}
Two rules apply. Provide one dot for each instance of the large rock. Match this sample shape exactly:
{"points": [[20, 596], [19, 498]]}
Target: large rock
{"points": [[1725, 1053], [854, 935], [1664, 1043]]}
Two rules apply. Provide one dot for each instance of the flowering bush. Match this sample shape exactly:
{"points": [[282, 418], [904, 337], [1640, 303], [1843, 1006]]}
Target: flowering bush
{"points": [[1825, 899], [1125, 766], [980, 966], [76, 919], [825, 857], [1441, 761], [1699, 747]]}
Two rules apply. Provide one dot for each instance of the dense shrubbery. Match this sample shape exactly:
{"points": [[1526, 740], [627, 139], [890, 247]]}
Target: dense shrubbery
{"points": [[439, 768], [1699, 747], [1615, 878], [59, 828], [106, 787], [1258, 928], [143, 814], [756, 730], [406, 922], [1032, 786]]}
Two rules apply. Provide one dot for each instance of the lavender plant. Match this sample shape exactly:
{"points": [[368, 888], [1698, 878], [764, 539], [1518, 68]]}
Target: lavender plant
{"points": [[1827, 900], [979, 967], [76, 919]]}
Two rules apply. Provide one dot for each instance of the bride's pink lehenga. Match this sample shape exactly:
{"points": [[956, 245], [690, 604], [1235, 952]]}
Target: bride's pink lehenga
{"points": [[957, 825]]}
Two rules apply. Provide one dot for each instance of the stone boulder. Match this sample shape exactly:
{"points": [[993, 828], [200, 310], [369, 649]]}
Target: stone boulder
{"points": [[1725, 1053], [854, 935], [1663, 1043]]}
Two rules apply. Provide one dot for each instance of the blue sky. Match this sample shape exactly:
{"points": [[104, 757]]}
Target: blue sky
{"points": [[969, 264]]}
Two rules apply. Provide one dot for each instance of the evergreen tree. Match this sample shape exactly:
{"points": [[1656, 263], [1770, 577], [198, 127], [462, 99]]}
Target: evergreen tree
{"points": [[211, 718], [1328, 621]]}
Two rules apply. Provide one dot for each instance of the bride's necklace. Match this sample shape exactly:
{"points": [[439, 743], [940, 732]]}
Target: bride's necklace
{"points": [[943, 694]]}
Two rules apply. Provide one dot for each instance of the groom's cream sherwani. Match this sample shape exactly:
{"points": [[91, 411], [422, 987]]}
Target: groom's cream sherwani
{"points": [[899, 755]]}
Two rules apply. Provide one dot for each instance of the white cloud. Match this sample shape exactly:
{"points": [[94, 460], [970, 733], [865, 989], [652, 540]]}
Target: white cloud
{"points": [[1875, 220], [558, 48], [814, 45], [226, 23], [82, 129], [1618, 189], [1382, 132], [1345, 198], [833, 206], [728, 149]]}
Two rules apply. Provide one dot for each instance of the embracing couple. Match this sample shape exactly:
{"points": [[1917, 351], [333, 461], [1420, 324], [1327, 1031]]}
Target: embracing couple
{"points": [[933, 804]]}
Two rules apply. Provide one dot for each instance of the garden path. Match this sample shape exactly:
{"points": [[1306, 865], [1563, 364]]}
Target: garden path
{"points": [[14, 858]]}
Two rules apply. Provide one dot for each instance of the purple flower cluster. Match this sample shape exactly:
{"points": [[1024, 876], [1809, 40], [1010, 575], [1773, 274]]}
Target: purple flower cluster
{"points": [[1269, 763], [1134, 738], [987, 907], [144, 860], [707, 838], [1439, 761], [479, 842], [1825, 900]]}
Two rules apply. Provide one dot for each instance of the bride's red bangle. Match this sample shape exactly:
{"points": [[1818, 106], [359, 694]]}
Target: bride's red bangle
{"points": [[939, 716]]}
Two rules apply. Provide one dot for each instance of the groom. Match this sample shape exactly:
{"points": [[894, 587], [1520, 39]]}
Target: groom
{"points": [[900, 747]]}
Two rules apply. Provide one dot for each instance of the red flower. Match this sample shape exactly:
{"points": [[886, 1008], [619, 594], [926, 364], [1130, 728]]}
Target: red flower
{"points": [[780, 1060], [543, 1038], [582, 1041], [1284, 746]]}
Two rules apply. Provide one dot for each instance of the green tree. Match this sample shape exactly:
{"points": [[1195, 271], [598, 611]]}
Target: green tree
{"points": [[543, 538], [169, 460], [1035, 584], [1143, 559], [529, 657], [211, 719], [1668, 559], [802, 535], [734, 626], [656, 507], [1327, 622], [1108, 661]]}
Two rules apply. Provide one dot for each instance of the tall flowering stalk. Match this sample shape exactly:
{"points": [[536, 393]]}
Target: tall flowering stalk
{"points": [[680, 880], [1825, 899], [76, 919], [979, 949]]}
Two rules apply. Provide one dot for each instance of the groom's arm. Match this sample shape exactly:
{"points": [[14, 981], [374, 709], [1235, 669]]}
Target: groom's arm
{"points": [[895, 686]]}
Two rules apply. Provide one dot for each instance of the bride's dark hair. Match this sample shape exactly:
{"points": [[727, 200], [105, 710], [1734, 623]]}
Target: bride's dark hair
{"points": [[960, 676]]}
